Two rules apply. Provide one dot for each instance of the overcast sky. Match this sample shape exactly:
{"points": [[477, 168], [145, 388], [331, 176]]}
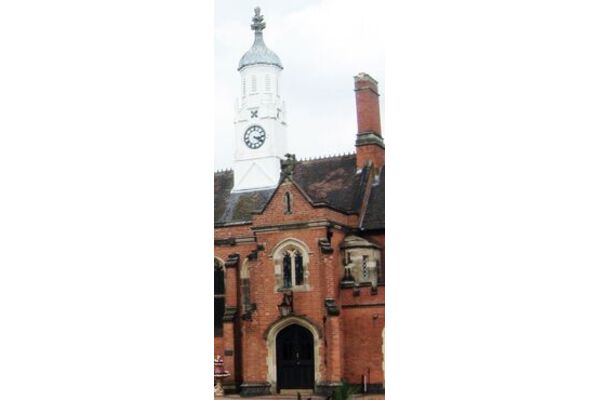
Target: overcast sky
{"points": [[322, 45]]}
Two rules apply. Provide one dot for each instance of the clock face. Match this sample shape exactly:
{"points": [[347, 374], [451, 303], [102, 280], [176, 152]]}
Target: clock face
{"points": [[255, 137]]}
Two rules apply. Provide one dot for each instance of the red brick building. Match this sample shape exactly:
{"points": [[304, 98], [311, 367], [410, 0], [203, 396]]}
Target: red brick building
{"points": [[299, 261]]}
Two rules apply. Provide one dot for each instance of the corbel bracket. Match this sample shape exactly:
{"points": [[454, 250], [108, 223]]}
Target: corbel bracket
{"points": [[325, 246], [331, 308], [250, 309], [254, 253], [229, 314], [233, 260]]}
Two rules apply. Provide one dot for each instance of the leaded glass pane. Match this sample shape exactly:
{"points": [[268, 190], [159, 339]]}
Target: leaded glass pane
{"points": [[299, 269], [287, 271]]}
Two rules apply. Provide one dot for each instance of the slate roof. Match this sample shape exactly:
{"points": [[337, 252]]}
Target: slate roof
{"points": [[236, 207], [332, 181], [375, 215]]}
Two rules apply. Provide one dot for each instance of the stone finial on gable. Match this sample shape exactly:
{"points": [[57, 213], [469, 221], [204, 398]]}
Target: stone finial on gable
{"points": [[288, 165]]}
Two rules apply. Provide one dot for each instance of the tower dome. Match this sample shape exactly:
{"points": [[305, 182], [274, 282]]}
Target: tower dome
{"points": [[259, 53]]}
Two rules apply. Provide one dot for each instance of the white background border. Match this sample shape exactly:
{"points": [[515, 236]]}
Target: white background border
{"points": [[106, 177]]}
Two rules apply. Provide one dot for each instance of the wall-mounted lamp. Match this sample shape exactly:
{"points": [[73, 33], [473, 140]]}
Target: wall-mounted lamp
{"points": [[287, 304]]}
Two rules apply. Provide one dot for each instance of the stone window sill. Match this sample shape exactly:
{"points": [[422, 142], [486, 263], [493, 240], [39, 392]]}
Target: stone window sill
{"points": [[302, 288]]}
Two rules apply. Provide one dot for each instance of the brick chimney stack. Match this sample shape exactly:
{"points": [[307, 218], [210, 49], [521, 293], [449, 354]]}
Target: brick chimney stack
{"points": [[369, 142]]}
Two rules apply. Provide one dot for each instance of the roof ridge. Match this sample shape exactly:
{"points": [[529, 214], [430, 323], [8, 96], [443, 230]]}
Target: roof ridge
{"points": [[328, 156]]}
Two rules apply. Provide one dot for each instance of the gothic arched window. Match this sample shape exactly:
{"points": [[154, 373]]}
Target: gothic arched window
{"points": [[291, 261], [219, 297]]}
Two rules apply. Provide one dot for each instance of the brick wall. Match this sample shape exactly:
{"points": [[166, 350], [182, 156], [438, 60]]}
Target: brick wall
{"points": [[371, 152], [363, 343], [349, 344]]}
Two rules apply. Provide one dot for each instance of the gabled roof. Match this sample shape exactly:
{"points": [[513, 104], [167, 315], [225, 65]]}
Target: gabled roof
{"points": [[332, 182]]}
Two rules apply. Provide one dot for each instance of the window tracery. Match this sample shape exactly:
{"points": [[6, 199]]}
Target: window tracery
{"points": [[365, 269], [291, 262], [293, 268]]}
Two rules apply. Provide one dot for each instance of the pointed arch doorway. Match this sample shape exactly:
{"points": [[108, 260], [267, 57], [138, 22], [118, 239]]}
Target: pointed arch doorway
{"points": [[295, 358]]}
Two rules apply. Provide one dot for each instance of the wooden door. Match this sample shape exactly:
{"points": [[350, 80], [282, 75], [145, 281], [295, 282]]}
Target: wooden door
{"points": [[295, 358]]}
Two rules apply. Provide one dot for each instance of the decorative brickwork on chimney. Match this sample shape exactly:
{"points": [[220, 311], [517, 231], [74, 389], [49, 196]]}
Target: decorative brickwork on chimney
{"points": [[369, 142]]}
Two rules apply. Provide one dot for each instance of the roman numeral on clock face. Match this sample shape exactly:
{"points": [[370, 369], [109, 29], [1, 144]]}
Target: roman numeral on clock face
{"points": [[255, 136]]}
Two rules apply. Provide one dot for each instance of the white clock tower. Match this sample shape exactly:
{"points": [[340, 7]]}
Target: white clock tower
{"points": [[260, 128]]}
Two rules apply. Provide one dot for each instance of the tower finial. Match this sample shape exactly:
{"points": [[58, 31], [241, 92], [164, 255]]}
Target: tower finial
{"points": [[258, 23], [259, 53]]}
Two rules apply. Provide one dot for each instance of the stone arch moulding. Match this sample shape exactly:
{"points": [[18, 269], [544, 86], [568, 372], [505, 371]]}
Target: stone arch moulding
{"points": [[245, 270], [221, 263], [220, 260], [292, 319], [271, 337], [287, 242]]}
